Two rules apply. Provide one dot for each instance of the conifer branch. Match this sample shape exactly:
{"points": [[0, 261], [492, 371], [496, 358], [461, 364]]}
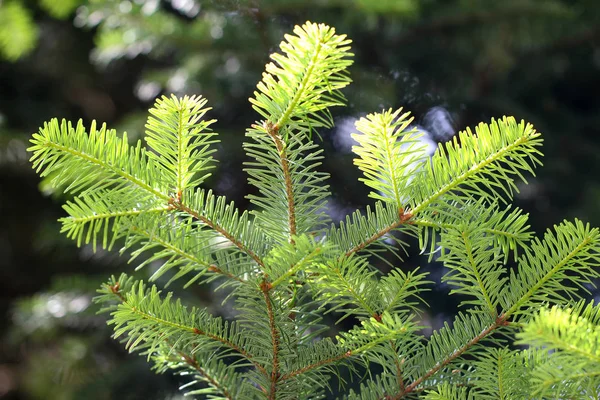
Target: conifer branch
{"points": [[500, 322], [108, 215], [476, 169], [210, 266], [301, 90], [585, 242], [273, 132], [212, 224], [399, 374], [285, 270], [117, 290], [189, 360], [476, 271], [274, 376], [303, 262], [403, 218], [316, 365], [45, 144], [511, 235]]}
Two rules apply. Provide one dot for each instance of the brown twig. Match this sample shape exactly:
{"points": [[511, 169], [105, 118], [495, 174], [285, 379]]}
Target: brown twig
{"points": [[265, 288], [273, 132]]}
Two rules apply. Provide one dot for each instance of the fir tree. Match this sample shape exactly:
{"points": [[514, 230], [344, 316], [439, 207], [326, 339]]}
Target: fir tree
{"points": [[284, 264]]}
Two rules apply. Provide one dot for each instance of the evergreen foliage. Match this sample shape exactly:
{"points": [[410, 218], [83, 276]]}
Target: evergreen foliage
{"points": [[284, 264]]}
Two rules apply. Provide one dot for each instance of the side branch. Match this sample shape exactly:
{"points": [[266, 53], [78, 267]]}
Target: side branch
{"points": [[398, 365], [116, 214], [181, 207], [316, 365], [515, 307], [116, 290], [194, 364], [500, 321], [404, 217], [474, 170], [182, 253]]}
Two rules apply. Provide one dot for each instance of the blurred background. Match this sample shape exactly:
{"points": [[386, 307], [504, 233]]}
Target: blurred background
{"points": [[468, 60]]}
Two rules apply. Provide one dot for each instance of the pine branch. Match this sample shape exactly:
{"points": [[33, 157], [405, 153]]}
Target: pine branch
{"points": [[182, 143], [389, 154], [358, 232], [482, 165], [448, 344], [149, 320], [569, 254], [223, 218], [275, 375], [305, 80]]}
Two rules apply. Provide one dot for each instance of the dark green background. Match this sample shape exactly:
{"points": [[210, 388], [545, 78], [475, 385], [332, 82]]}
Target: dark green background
{"points": [[106, 60]]}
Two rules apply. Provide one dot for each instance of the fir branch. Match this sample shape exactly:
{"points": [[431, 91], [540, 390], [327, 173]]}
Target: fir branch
{"points": [[299, 255], [141, 312], [285, 270], [495, 152], [509, 226], [574, 330], [399, 374], [481, 165], [348, 286], [360, 231], [475, 268], [292, 193], [447, 345], [84, 162], [389, 154], [570, 253], [223, 218], [181, 140], [89, 163], [189, 360], [357, 342], [273, 132], [274, 376], [175, 249], [305, 80]]}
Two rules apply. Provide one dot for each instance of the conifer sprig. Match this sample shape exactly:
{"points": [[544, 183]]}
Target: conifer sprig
{"points": [[389, 154], [572, 335], [294, 96], [181, 141], [284, 270]]}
